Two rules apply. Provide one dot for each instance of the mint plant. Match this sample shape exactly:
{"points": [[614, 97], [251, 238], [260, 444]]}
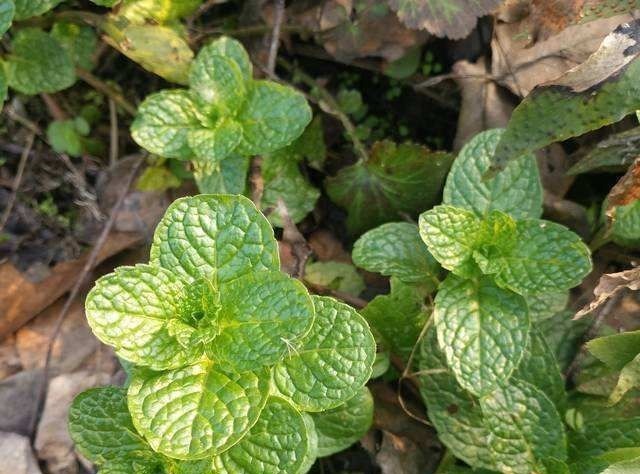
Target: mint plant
{"points": [[230, 354]]}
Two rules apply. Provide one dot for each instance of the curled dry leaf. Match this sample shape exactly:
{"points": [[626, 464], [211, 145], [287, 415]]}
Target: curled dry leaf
{"points": [[609, 285]]}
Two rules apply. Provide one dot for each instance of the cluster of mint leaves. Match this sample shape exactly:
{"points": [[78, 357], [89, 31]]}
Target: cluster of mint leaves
{"points": [[491, 384], [237, 369]]}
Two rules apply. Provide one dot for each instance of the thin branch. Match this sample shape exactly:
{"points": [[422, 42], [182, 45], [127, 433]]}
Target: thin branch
{"points": [[88, 266], [17, 180], [107, 90], [275, 36]]}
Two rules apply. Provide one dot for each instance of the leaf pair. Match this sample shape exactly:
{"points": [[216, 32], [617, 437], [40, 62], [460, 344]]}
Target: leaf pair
{"points": [[225, 110], [219, 335]]}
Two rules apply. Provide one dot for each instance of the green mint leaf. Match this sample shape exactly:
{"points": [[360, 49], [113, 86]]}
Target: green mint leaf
{"points": [[338, 276], [342, 426], [7, 11], [232, 49], [160, 11], [215, 143], [101, 428], [64, 137], [564, 335], [625, 227], [263, 316], [398, 317], [283, 441], [482, 330], [272, 117], [525, 428], [283, 179], [196, 411], [396, 249], [545, 257], [396, 180], [217, 80], [629, 378], [38, 63], [540, 368], [546, 305], [333, 361], [164, 121], [229, 176], [311, 145], [30, 8], [451, 234], [578, 101], [80, 42], [596, 438], [616, 350], [451, 18], [130, 309], [216, 237], [455, 413], [162, 50], [516, 190]]}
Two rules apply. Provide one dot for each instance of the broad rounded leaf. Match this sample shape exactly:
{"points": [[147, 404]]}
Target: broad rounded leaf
{"points": [[79, 40], [396, 249], [263, 315], [625, 227], [101, 427], [333, 362], [282, 441], [217, 80], [7, 11], [216, 143], [546, 257], [271, 117], [229, 176], [216, 237], [232, 49], [342, 426], [455, 413], [338, 276], [525, 428], [30, 8], [197, 411], [482, 330], [451, 234], [546, 305], [163, 123], [38, 63], [597, 438], [130, 310], [397, 180], [516, 190]]}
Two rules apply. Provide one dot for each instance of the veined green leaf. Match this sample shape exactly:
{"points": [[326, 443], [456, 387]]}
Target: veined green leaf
{"points": [[217, 237], [616, 350], [29, 8], [79, 40], [629, 378], [164, 121], [451, 234], [283, 441], [216, 143], [525, 428], [580, 100], [229, 176], [342, 426], [625, 228], [516, 190], [130, 310], [38, 63], [196, 411], [455, 413], [101, 428], [232, 49], [336, 276], [546, 305], [272, 117], [7, 11], [161, 11], [398, 317], [599, 437], [397, 180], [217, 80], [482, 330], [545, 257], [396, 249], [332, 363], [263, 316]]}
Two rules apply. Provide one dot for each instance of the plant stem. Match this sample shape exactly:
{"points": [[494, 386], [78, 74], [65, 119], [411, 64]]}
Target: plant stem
{"points": [[447, 461], [602, 237], [107, 90], [329, 105]]}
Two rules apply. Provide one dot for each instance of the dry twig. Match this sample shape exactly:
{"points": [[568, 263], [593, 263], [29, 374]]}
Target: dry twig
{"points": [[17, 180]]}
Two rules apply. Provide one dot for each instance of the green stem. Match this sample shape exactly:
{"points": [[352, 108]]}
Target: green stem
{"points": [[328, 104], [101, 86], [602, 237], [447, 462]]}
